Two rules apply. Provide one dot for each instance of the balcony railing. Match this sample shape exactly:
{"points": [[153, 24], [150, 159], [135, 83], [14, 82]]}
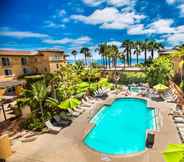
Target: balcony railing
{"points": [[56, 59]]}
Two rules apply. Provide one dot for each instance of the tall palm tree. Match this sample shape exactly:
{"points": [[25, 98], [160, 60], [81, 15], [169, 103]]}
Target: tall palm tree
{"points": [[74, 53], [114, 54], [137, 50], [121, 56], [86, 52], [127, 50], [101, 51], [145, 48]]}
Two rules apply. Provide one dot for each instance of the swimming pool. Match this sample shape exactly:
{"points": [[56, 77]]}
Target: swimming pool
{"points": [[120, 128]]}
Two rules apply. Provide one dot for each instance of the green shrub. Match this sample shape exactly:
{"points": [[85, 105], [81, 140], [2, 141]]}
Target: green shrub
{"points": [[132, 77], [33, 124], [160, 71]]}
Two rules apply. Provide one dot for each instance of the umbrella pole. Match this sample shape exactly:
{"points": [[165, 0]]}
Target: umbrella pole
{"points": [[4, 113]]}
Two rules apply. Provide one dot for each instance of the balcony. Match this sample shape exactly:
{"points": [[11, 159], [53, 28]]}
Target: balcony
{"points": [[56, 59]]}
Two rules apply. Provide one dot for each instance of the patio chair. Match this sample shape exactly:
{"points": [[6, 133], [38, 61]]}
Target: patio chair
{"points": [[52, 128], [86, 103], [62, 122], [74, 113], [78, 110]]}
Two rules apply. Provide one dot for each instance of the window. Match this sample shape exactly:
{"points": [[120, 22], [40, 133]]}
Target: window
{"points": [[24, 61], [57, 66], [10, 90], [7, 72], [26, 71], [5, 61]]}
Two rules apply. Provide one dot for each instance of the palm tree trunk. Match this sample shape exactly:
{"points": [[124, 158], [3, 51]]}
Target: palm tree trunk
{"points": [[85, 60], [145, 56], [152, 54], [137, 59]]}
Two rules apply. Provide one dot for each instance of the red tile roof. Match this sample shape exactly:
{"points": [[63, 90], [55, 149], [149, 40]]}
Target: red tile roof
{"points": [[17, 53]]}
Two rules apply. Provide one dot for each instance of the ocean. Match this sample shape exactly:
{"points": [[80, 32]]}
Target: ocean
{"points": [[119, 62]]}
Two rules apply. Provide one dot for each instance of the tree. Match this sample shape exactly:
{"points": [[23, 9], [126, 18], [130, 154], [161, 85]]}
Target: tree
{"points": [[160, 71], [37, 94], [126, 46], [86, 52], [179, 53], [137, 50], [144, 46], [121, 56], [101, 51], [74, 53], [154, 46]]}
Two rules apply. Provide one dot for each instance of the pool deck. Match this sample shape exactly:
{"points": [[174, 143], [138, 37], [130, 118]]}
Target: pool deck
{"points": [[67, 146]]}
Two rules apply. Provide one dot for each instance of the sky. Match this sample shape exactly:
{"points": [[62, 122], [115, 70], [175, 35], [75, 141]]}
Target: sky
{"points": [[72, 24]]}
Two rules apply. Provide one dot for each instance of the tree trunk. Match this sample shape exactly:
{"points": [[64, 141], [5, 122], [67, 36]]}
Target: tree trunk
{"points": [[137, 59], [145, 56], [152, 54]]}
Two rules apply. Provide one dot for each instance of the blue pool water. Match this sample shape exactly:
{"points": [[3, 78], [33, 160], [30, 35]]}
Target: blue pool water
{"points": [[121, 127]]}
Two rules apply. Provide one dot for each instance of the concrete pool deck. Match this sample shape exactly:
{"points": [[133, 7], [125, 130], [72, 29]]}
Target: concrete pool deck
{"points": [[67, 146]]}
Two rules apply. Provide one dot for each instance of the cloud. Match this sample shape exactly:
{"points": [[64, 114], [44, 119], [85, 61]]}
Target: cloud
{"points": [[93, 2], [21, 34], [170, 1], [51, 24], [110, 18], [78, 41], [181, 7], [117, 43], [117, 3], [137, 29], [161, 26], [62, 12]]}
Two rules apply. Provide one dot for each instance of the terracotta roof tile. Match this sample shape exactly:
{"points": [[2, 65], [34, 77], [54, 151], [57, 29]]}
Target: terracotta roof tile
{"points": [[17, 53]]}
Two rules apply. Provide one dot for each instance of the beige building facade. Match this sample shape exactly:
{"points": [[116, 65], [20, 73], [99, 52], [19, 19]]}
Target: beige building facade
{"points": [[19, 63]]}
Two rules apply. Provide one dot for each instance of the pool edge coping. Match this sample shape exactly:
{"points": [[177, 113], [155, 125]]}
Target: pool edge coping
{"points": [[92, 125]]}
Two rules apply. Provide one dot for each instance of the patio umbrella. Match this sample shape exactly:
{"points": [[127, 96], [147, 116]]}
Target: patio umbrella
{"points": [[160, 88], [174, 153], [69, 103]]}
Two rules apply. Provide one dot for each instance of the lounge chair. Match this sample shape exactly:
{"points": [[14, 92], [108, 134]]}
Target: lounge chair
{"points": [[180, 125], [74, 113], [89, 100], [178, 120], [60, 121], [85, 103], [78, 110], [52, 128]]}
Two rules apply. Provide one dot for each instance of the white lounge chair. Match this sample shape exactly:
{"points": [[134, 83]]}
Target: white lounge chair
{"points": [[52, 128], [79, 110], [180, 125], [85, 103], [92, 101], [74, 113]]}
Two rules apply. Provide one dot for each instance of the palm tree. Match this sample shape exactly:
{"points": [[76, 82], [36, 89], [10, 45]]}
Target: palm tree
{"points": [[74, 53], [137, 50], [86, 52], [37, 94], [121, 56], [114, 54], [101, 51], [145, 48], [153, 46], [126, 46]]}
